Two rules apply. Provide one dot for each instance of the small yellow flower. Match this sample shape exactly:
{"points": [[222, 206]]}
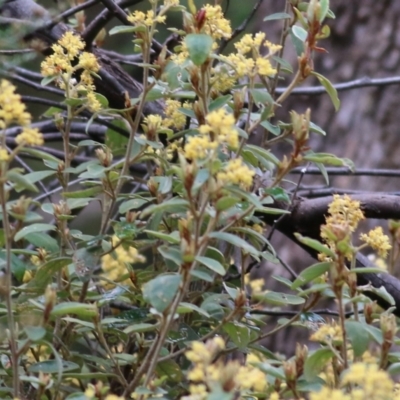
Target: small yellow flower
{"points": [[216, 24], [199, 147], [30, 137], [93, 104], [153, 122], [331, 394], [114, 397], [236, 173], [148, 19], [377, 240], [173, 117], [4, 156], [196, 374], [114, 265], [376, 383], [27, 276], [257, 285], [12, 110], [328, 333], [88, 61], [221, 126], [264, 67], [345, 210], [72, 43]]}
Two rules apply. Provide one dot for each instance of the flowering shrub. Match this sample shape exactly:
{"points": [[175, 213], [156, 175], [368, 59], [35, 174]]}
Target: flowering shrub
{"points": [[153, 303]]}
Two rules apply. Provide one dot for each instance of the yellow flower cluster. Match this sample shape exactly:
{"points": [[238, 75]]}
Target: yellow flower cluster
{"points": [[12, 110], [146, 19], [328, 333], [152, 123], [207, 372], [173, 117], [220, 126], [366, 381], [222, 79], [377, 240], [256, 64], [114, 265], [256, 285], [219, 129], [90, 394], [216, 24], [4, 156], [237, 173], [59, 64], [67, 48], [199, 147], [30, 137], [344, 211]]}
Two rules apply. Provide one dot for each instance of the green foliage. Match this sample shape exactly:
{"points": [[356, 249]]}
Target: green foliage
{"points": [[148, 301]]}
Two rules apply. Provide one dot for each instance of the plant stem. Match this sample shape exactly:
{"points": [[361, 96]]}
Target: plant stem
{"points": [[8, 285]]}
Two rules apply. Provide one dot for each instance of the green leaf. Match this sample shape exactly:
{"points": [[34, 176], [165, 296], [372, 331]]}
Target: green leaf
{"points": [[225, 203], [39, 239], [275, 130], [173, 205], [143, 327], [172, 238], [374, 332], [52, 366], [21, 182], [239, 333], [45, 273], [74, 307], [358, 335], [382, 293], [121, 29], [132, 204], [160, 291], [101, 99], [18, 266], [189, 307], [170, 369], [278, 194], [115, 140], [323, 10], [285, 65], [279, 298], [263, 154], [297, 43], [281, 15], [235, 241], [369, 270], [261, 96], [310, 273], [317, 129], [316, 362], [199, 47], [325, 158], [41, 155], [32, 229], [300, 33], [172, 253], [212, 264], [332, 92], [314, 244], [35, 333], [219, 102]]}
